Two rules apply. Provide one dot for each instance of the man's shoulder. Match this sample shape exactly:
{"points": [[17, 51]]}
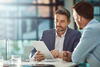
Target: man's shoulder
{"points": [[49, 31], [93, 25], [74, 31]]}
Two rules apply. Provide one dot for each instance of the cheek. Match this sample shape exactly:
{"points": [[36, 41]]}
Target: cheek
{"points": [[77, 23], [64, 25], [76, 19]]}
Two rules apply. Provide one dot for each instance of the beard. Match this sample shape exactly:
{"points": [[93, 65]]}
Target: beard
{"points": [[60, 30]]}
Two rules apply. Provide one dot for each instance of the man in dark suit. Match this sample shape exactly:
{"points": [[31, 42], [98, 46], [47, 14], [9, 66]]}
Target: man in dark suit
{"points": [[62, 40]]}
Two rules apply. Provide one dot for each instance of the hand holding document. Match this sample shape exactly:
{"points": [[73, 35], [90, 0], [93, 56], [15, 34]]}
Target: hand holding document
{"points": [[55, 53], [39, 56], [42, 51]]}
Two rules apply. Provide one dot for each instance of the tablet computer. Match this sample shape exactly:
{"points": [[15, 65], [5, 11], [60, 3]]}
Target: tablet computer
{"points": [[40, 46]]}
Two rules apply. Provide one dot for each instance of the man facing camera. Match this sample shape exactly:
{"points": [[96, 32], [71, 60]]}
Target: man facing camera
{"points": [[62, 40]]}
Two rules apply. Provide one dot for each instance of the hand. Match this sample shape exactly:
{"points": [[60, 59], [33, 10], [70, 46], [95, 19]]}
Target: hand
{"points": [[69, 56], [39, 56], [65, 55], [55, 53]]}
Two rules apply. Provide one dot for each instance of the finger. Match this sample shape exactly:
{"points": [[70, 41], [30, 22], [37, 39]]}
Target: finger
{"points": [[69, 54], [60, 54], [52, 50], [65, 53], [40, 58], [38, 52], [68, 59], [37, 59], [39, 55], [65, 58], [55, 53]]}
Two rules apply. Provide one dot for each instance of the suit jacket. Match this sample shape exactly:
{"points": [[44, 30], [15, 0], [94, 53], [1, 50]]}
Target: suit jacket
{"points": [[88, 49], [72, 38]]}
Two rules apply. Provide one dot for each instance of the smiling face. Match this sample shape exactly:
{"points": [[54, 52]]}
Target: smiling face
{"points": [[61, 23]]}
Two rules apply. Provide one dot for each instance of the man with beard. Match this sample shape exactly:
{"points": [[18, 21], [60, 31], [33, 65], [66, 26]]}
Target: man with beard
{"points": [[62, 40]]}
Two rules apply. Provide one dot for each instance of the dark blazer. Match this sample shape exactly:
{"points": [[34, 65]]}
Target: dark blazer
{"points": [[72, 38]]}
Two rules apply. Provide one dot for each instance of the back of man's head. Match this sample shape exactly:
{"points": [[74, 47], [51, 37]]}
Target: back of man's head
{"points": [[84, 9]]}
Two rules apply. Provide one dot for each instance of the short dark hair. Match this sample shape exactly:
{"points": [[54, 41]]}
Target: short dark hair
{"points": [[63, 11], [84, 9]]}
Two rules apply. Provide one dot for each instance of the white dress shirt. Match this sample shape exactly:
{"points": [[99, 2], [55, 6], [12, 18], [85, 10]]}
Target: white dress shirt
{"points": [[59, 42]]}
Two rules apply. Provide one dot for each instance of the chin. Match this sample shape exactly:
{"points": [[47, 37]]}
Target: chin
{"points": [[80, 28]]}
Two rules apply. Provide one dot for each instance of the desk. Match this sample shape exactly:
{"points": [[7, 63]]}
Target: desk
{"points": [[29, 64]]}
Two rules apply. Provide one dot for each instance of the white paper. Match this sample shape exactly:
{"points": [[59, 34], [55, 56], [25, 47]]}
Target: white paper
{"points": [[40, 46]]}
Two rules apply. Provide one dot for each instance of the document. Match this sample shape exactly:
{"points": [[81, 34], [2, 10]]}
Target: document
{"points": [[40, 46]]}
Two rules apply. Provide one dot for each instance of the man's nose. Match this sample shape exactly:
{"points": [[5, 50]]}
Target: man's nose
{"points": [[58, 23]]}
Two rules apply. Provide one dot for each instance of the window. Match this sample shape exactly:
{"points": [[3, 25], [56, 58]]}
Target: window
{"points": [[22, 21]]}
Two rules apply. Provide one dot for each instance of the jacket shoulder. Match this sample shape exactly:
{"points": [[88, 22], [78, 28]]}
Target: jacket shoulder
{"points": [[74, 31], [49, 31]]}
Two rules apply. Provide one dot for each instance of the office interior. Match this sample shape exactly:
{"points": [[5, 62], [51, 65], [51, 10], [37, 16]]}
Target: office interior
{"points": [[23, 21]]}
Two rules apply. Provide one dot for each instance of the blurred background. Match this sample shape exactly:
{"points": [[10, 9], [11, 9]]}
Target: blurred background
{"points": [[23, 21]]}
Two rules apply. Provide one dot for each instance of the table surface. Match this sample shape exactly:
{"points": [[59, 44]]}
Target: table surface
{"points": [[33, 63]]}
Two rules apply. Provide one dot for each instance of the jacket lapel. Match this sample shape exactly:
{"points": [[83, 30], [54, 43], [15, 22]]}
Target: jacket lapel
{"points": [[66, 39], [52, 40]]}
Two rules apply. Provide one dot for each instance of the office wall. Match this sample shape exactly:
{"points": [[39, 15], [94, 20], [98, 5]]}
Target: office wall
{"points": [[68, 4]]}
